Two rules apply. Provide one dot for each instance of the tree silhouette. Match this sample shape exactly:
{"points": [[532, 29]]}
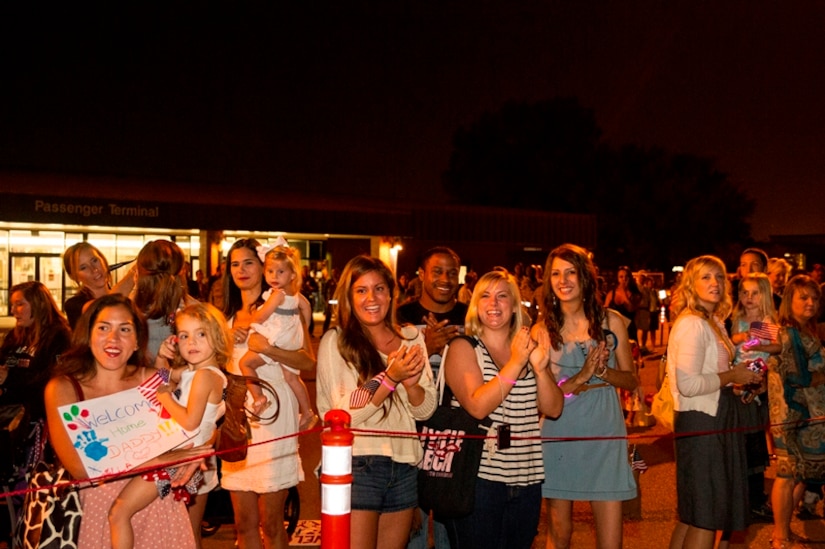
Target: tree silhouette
{"points": [[526, 156], [654, 209]]}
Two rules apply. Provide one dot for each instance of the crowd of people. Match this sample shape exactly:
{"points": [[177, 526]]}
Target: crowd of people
{"points": [[751, 374], [542, 351], [113, 337]]}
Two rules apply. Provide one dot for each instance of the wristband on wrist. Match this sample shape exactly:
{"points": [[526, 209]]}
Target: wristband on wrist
{"points": [[508, 380], [387, 374], [387, 385], [560, 383], [601, 373]]}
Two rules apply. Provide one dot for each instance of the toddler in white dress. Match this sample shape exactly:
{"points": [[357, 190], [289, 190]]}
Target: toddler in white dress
{"points": [[278, 319]]}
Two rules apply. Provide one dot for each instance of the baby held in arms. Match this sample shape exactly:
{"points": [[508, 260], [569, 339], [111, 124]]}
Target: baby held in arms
{"points": [[278, 319]]}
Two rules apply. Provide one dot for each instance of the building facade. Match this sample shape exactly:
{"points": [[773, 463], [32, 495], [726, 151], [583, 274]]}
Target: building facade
{"points": [[42, 214]]}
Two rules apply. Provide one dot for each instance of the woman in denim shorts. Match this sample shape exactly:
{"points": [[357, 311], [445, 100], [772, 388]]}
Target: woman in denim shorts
{"points": [[378, 372]]}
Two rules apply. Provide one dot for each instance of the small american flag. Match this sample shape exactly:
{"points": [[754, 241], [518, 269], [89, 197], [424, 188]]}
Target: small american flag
{"points": [[636, 461], [363, 394], [765, 330], [149, 390], [165, 374]]}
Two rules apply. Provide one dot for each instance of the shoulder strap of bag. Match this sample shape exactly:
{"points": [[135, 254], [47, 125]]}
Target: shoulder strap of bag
{"points": [[445, 394], [239, 382]]}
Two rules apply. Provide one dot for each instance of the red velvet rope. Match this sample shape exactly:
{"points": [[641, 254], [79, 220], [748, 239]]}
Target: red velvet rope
{"points": [[407, 434]]}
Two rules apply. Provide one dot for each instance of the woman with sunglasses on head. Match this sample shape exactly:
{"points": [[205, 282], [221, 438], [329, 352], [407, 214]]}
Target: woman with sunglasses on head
{"points": [[87, 267], [590, 357]]}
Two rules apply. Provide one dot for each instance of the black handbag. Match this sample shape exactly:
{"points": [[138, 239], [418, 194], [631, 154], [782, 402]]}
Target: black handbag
{"points": [[453, 442]]}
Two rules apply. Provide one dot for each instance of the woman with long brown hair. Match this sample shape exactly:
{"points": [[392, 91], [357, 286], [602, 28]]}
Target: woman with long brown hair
{"points": [[30, 350], [108, 355], [378, 372], [160, 289], [590, 357]]}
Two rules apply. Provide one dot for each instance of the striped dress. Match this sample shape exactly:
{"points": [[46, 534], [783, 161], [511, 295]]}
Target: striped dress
{"points": [[521, 464]]}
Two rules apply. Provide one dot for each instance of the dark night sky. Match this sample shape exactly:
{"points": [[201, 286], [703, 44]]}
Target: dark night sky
{"points": [[365, 100]]}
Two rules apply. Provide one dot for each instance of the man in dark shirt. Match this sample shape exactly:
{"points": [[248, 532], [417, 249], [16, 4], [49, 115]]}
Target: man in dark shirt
{"points": [[437, 313], [440, 317]]}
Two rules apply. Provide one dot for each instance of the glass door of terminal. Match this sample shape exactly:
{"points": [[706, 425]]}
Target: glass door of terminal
{"points": [[46, 268]]}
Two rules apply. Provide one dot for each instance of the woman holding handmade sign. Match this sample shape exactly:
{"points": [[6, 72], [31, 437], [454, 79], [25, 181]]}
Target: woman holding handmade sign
{"points": [[108, 357], [259, 483], [378, 373], [200, 350], [509, 381]]}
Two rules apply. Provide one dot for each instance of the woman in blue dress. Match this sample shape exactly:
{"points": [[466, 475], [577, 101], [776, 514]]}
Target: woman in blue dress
{"points": [[590, 358]]}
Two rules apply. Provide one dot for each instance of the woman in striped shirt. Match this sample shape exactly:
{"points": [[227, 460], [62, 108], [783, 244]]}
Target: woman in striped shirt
{"points": [[501, 372]]}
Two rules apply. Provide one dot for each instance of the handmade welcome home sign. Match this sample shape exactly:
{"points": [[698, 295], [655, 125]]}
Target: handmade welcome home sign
{"points": [[118, 432]]}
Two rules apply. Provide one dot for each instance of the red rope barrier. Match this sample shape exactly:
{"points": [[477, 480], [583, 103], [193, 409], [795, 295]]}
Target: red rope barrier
{"points": [[641, 436], [410, 434], [86, 482]]}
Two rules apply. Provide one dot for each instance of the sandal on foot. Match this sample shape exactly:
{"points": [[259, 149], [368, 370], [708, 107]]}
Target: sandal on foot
{"points": [[308, 421]]}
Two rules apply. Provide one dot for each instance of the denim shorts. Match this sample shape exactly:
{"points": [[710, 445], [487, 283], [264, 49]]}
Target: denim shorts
{"points": [[382, 485]]}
